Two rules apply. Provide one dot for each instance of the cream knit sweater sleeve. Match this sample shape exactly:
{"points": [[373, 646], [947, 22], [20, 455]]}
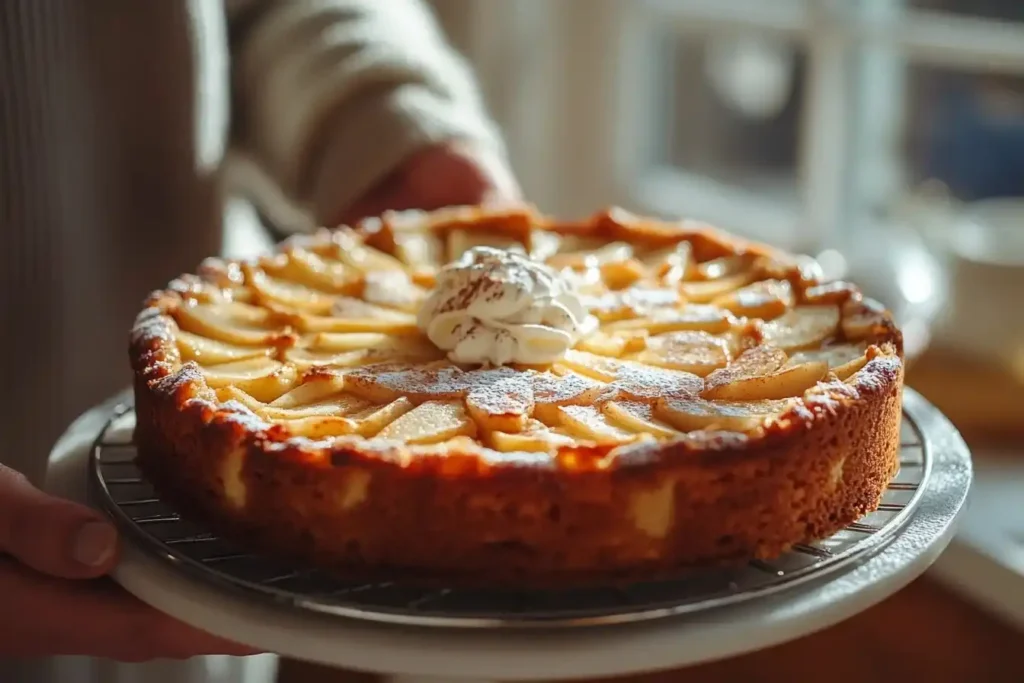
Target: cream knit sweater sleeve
{"points": [[331, 95]]}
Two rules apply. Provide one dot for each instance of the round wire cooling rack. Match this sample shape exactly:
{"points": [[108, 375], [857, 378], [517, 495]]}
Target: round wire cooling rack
{"points": [[117, 486]]}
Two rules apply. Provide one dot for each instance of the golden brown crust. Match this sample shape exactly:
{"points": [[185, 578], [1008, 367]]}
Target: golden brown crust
{"points": [[478, 516]]}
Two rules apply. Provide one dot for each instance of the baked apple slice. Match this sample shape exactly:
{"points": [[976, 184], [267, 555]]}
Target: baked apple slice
{"points": [[696, 352], [431, 422], [688, 415], [206, 351], [802, 327], [637, 417], [766, 300]]}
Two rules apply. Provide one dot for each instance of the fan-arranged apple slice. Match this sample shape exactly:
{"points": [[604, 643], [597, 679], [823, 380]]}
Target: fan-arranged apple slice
{"points": [[612, 344], [263, 378], [501, 405], [843, 359], [587, 423], [786, 382], [704, 291], [614, 252], [863, 319], [310, 269], [688, 415], [671, 265], [393, 289], [631, 303], [370, 421], [695, 352], [285, 293], [420, 250], [386, 382], [618, 275], [355, 253], [314, 387], [691, 317], [534, 438], [802, 327], [637, 417], [355, 315], [338, 404], [431, 422], [230, 322], [765, 300], [562, 387], [206, 351]]}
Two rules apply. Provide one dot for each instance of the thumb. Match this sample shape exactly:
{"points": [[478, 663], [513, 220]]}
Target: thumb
{"points": [[52, 535]]}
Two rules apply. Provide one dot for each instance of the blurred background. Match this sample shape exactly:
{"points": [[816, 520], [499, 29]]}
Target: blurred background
{"points": [[885, 137]]}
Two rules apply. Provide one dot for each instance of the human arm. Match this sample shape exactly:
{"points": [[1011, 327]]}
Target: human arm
{"points": [[358, 106]]}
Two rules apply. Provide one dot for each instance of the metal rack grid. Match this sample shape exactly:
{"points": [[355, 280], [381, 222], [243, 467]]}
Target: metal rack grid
{"points": [[120, 489]]}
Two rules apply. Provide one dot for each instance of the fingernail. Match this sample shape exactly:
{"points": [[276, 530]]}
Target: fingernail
{"points": [[95, 544]]}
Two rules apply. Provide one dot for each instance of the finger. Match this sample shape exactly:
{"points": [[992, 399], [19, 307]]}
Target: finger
{"points": [[92, 618], [52, 535]]}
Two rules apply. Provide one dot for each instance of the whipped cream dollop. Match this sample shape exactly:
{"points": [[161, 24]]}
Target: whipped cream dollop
{"points": [[496, 307]]}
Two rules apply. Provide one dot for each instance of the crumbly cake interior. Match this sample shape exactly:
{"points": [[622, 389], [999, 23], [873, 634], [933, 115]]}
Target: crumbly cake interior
{"points": [[697, 337]]}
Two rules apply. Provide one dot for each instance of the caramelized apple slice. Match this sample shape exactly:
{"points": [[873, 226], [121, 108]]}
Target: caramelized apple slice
{"points": [[597, 367], [784, 383], [354, 253], [766, 300], [613, 345], [618, 275], [688, 415], [211, 352], [699, 353], [703, 291], [420, 250], [404, 325], [502, 405], [535, 438], [671, 265], [863, 319], [587, 423], [263, 378], [312, 389], [753, 363], [393, 289], [637, 417], [309, 269], [286, 293], [370, 421], [230, 322], [337, 404], [410, 346], [802, 327], [431, 422], [842, 359], [635, 382], [307, 359], [591, 258], [564, 388], [691, 317], [389, 381]]}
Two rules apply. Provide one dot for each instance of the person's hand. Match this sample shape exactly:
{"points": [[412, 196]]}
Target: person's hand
{"points": [[53, 554], [436, 177]]}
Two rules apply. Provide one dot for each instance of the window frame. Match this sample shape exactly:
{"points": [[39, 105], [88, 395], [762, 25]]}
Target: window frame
{"points": [[582, 122]]}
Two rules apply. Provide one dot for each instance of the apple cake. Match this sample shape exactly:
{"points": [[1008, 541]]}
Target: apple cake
{"points": [[492, 396]]}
